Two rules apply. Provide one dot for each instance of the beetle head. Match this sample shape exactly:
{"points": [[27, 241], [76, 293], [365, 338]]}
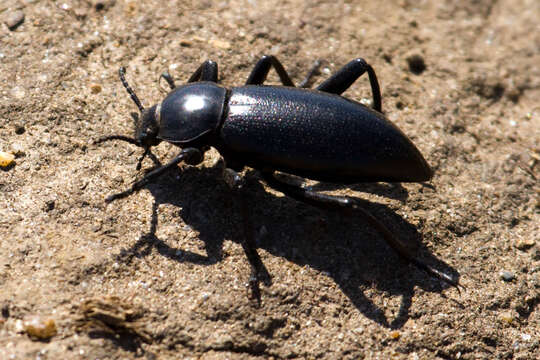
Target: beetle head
{"points": [[147, 128]]}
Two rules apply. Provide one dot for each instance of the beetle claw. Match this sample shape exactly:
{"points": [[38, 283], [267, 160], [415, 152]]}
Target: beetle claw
{"points": [[254, 288]]}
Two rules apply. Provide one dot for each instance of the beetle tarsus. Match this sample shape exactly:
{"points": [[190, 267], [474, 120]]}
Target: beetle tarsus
{"points": [[254, 288], [437, 274]]}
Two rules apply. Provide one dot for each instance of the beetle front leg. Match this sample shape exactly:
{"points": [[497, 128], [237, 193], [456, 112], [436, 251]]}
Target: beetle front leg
{"points": [[168, 78], [347, 75], [347, 204], [208, 71], [189, 155], [258, 271]]}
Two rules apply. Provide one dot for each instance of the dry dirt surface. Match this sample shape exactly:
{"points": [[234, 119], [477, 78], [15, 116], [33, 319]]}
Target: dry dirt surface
{"points": [[162, 274]]}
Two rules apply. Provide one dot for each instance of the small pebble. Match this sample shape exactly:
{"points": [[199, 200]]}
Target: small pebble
{"points": [[14, 19], [506, 317], [224, 342], [18, 92], [49, 205], [100, 5], [416, 63], [6, 159], [525, 244], [186, 43], [40, 328], [220, 44], [507, 275], [17, 149], [95, 88], [19, 129], [395, 335]]}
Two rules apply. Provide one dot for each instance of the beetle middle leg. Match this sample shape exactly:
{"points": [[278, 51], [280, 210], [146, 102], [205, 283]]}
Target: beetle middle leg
{"points": [[347, 75], [258, 271], [348, 205], [262, 68]]}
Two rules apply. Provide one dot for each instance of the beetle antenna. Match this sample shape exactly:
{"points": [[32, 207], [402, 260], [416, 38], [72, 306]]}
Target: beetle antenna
{"points": [[134, 97]]}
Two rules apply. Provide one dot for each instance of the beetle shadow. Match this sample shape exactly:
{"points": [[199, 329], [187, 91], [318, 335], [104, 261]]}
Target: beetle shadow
{"points": [[346, 249]]}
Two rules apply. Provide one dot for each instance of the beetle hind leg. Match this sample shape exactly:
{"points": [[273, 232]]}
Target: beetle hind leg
{"points": [[347, 75], [348, 205]]}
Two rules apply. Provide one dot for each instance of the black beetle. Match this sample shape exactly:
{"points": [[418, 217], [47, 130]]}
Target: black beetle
{"points": [[316, 134]]}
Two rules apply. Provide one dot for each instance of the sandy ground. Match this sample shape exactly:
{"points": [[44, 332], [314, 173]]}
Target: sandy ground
{"points": [[162, 275]]}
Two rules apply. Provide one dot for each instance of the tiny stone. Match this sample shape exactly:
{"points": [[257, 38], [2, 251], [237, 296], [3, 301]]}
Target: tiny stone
{"points": [[17, 149], [95, 88], [416, 63], [507, 275], [186, 43], [220, 44], [6, 159], [19, 129], [49, 205], [40, 328], [14, 19], [224, 342], [80, 13], [525, 244], [18, 92], [18, 326], [102, 4], [506, 317], [5, 311]]}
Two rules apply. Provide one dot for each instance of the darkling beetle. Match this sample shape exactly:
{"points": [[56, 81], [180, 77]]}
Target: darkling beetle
{"points": [[316, 134]]}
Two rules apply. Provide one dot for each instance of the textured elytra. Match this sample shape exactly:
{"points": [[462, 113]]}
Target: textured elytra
{"points": [[318, 135]]}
